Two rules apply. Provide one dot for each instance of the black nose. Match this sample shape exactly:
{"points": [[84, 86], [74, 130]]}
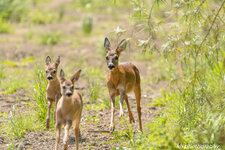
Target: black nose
{"points": [[49, 78], [111, 67], [68, 94]]}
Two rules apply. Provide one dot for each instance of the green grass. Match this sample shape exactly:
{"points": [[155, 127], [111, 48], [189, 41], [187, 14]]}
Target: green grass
{"points": [[39, 95], [18, 123], [5, 26], [50, 38], [42, 16]]}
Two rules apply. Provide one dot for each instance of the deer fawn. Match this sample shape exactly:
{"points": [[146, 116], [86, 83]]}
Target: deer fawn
{"points": [[122, 79], [69, 109], [53, 89]]}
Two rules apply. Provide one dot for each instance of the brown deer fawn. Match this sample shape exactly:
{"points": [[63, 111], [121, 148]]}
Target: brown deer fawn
{"points": [[122, 79], [69, 109], [53, 93]]}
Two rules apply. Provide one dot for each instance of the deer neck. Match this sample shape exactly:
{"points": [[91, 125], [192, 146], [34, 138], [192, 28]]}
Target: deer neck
{"points": [[114, 75], [66, 102]]}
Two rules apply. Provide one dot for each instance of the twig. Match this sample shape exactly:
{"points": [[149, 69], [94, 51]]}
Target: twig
{"points": [[208, 33], [99, 131], [212, 24]]}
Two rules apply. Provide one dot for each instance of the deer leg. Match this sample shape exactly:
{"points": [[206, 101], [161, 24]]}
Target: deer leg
{"points": [[112, 102], [77, 132], [57, 97], [66, 136], [122, 96], [58, 129], [48, 113], [137, 92], [131, 118]]}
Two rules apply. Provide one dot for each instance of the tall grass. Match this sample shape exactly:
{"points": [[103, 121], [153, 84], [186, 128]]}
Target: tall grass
{"points": [[39, 95]]}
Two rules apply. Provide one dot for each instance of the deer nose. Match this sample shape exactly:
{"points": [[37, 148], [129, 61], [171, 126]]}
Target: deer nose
{"points": [[68, 94], [111, 66], [49, 78]]}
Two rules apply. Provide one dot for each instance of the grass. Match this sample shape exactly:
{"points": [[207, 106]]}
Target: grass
{"points": [[17, 78], [5, 26], [18, 123], [42, 17], [50, 38], [39, 95]]}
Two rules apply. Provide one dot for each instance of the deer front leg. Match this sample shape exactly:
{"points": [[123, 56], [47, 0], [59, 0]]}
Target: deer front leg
{"points": [[58, 129], [112, 102], [48, 113], [66, 128], [122, 96], [57, 97]]}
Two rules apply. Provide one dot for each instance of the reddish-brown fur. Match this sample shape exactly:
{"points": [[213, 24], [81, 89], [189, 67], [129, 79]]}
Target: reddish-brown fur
{"points": [[69, 109], [53, 93], [122, 79]]}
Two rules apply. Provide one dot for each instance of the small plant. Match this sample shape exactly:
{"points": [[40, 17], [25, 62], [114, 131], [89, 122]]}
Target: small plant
{"points": [[50, 38], [42, 17], [16, 124], [14, 10], [94, 90], [39, 93], [87, 25], [5, 27]]}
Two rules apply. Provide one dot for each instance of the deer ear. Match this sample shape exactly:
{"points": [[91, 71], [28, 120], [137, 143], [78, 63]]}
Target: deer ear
{"points": [[121, 46], [76, 76], [62, 76], [47, 60], [107, 44], [57, 62]]}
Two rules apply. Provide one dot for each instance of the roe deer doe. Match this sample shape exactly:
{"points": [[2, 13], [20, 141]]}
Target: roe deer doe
{"points": [[122, 79], [53, 93], [69, 109]]}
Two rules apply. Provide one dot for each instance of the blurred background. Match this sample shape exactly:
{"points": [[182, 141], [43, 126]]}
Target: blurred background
{"points": [[177, 45]]}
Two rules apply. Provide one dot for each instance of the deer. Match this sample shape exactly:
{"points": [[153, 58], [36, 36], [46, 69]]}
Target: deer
{"points": [[53, 92], [122, 79], [69, 109]]}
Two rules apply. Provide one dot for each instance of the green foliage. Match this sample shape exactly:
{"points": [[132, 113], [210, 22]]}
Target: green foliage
{"points": [[5, 27], [94, 91], [87, 24], [191, 58], [13, 9], [42, 16], [18, 124], [50, 38], [39, 95]]}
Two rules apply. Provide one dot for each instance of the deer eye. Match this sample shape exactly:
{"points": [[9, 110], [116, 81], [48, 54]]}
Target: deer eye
{"points": [[64, 87], [46, 71], [107, 58], [116, 58], [54, 72], [72, 87]]}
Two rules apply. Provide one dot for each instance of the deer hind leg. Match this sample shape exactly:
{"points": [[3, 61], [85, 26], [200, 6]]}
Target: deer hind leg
{"points": [[112, 102], [48, 113], [131, 118], [137, 92], [66, 136], [77, 132]]}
